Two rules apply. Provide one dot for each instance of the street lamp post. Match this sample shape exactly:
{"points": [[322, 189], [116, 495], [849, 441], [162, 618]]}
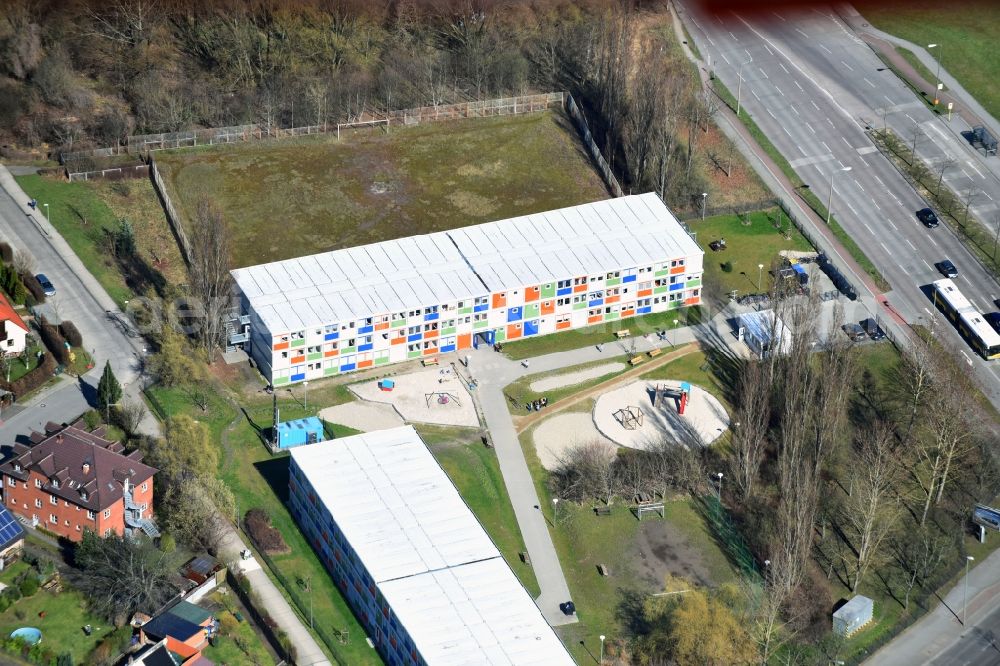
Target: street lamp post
{"points": [[720, 487], [760, 275], [704, 199], [937, 76], [305, 400], [676, 321], [829, 203], [602, 648], [47, 218], [739, 87], [555, 509], [965, 605]]}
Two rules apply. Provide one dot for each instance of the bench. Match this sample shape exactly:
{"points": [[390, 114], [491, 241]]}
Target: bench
{"points": [[430, 361], [655, 352], [602, 510], [624, 333], [636, 360], [603, 570], [525, 558]]}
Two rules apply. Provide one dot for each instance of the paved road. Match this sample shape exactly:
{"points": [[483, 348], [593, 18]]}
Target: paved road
{"points": [[801, 86]]}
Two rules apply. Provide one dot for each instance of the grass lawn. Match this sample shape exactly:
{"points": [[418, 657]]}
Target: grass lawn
{"points": [[225, 652], [316, 194], [83, 212], [966, 34], [62, 626], [476, 473], [695, 368], [19, 368], [598, 333], [747, 246], [522, 393]]}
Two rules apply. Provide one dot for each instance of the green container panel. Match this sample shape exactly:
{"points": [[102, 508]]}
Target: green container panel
{"points": [[580, 306], [414, 354], [382, 361], [665, 271], [314, 357], [531, 311], [661, 290], [465, 311], [280, 380], [480, 324], [398, 322], [608, 316], [549, 291], [298, 343], [501, 335], [613, 282], [330, 371], [348, 350], [448, 331]]}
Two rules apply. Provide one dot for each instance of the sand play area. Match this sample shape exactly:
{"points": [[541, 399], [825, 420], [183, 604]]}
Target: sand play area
{"points": [[704, 419], [561, 432], [363, 416], [436, 395]]}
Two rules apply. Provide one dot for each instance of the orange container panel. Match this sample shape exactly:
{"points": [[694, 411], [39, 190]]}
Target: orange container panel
{"points": [[548, 307], [431, 351], [693, 300], [596, 319], [580, 287], [298, 359], [365, 364], [563, 325], [382, 326], [499, 300], [399, 340], [281, 345], [464, 340], [676, 270], [430, 334], [644, 292], [531, 294], [612, 299], [513, 332], [332, 352]]}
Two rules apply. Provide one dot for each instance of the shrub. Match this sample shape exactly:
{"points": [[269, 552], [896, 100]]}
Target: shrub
{"points": [[71, 333], [92, 418], [34, 288], [167, 543], [33, 379], [228, 624], [727, 267], [29, 586], [266, 537], [6, 253], [55, 342], [13, 593]]}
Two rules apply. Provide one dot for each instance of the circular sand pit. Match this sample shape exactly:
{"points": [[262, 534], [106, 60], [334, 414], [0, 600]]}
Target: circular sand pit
{"points": [[363, 416], [629, 417], [577, 377], [557, 434]]}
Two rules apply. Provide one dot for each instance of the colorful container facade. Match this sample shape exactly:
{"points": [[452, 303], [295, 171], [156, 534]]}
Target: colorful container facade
{"points": [[444, 292]]}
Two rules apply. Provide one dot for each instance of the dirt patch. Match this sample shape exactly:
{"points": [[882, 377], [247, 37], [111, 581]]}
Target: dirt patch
{"points": [[554, 436], [660, 548], [571, 378]]}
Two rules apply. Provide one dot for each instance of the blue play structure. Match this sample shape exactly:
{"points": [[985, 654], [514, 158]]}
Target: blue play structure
{"points": [[301, 431]]}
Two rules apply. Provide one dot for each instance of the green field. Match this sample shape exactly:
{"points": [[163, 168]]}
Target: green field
{"points": [[65, 615], [302, 196], [84, 212], [966, 35], [747, 246]]}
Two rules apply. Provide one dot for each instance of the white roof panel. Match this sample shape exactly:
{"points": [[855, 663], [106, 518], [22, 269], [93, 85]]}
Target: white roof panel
{"points": [[430, 558], [466, 262]]}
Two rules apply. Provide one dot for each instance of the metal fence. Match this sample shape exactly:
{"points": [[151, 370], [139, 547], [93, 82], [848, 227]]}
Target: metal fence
{"points": [[117, 173], [168, 206], [595, 153]]}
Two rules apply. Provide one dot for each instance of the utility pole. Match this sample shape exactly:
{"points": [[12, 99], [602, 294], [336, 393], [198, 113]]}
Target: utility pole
{"points": [[739, 87]]}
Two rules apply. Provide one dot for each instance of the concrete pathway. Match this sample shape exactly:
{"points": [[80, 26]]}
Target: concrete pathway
{"points": [[308, 651]]}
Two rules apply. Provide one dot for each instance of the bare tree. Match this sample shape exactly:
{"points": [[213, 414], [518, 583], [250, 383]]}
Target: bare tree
{"points": [[869, 512], [954, 420], [913, 380], [586, 472], [210, 279], [752, 420], [919, 553], [23, 262], [129, 415]]}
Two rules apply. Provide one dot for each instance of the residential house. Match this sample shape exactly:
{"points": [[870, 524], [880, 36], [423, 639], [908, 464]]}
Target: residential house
{"points": [[170, 652], [185, 622], [69, 480], [13, 330], [11, 538]]}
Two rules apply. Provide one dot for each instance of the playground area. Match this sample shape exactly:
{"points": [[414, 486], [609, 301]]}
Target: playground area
{"points": [[640, 414], [561, 432], [437, 396], [362, 415]]}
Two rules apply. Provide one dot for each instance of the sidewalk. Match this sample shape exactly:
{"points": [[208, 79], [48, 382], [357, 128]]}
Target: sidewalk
{"points": [[308, 651], [941, 628]]}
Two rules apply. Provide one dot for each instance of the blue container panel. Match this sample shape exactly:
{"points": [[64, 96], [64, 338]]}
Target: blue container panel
{"points": [[349, 366], [564, 291], [531, 327], [645, 310], [366, 329], [446, 349], [675, 287], [481, 308], [299, 377], [514, 314], [595, 302], [432, 316], [366, 347], [331, 336], [629, 278], [415, 337]]}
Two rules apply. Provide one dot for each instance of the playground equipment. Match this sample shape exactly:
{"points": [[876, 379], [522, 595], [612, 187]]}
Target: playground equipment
{"points": [[630, 417], [441, 398], [683, 394], [386, 384]]}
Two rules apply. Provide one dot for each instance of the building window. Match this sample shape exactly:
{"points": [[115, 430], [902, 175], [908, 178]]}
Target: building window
{"points": [[482, 300], [580, 280], [13, 502], [83, 496], [562, 284], [53, 518], [413, 330], [66, 522], [11, 482], [77, 528], [38, 503], [38, 483], [107, 532], [91, 515], [53, 500], [677, 262], [55, 483], [17, 467], [144, 486]]}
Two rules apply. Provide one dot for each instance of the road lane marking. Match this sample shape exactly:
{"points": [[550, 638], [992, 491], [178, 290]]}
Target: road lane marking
{"points": [[967, 359], [802, 33], [801, 89], [869, 229], [879, 181], [794, 110], [877, 207], [988, 196], [846, 141], [846, 65], [886, 97], [869, 82], [771, 114], [858, 183], [763, 73], [826, 146], [804, 153], [911, 118], [754, 93], [826, 49], [903, 268], [865, 162], [778, 15], [786, 131], [779, 91], [925, 309], [710, 40], [852, 209], [747, 51], [733, 36], [768, 50], [912, 246], [810, 128], [780, 64], [965, 172], [885, 248], [930, 269], [973, 167], [831, 123], [814, 105], [934, 242], [725, 58]]}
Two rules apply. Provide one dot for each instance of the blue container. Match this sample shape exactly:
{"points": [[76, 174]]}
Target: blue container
{"points": [[301, 431]]}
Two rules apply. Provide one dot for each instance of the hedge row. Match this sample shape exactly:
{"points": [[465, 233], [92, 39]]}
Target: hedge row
{"points": [[34, 288], [54, 340], [258, 526], [33, 379], [71, 333]]}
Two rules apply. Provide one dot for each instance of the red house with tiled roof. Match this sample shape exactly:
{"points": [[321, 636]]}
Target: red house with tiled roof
{"points": [[69, 480], [13, 330]]}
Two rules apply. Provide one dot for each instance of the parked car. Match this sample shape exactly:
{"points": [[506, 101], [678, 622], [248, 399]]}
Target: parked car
{"points": [[947, 268], [928, 217], [854, 332], [47, 287], [872, 328]]}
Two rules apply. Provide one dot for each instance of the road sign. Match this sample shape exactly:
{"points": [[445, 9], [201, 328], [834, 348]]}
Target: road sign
{"points": [[986, 516]]}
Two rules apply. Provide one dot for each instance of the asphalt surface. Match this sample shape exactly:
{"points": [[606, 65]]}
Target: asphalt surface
{"points": [[812, 86], [980, 646], [78, 299]]}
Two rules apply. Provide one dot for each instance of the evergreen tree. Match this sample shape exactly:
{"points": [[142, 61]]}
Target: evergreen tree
{"points": [[109, 391]]}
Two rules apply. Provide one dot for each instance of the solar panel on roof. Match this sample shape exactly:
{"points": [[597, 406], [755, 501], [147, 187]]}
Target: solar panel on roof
{"points": [[10, 530]]}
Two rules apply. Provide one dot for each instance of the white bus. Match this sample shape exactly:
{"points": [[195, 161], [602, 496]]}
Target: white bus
{"points": [[967, 319]]}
